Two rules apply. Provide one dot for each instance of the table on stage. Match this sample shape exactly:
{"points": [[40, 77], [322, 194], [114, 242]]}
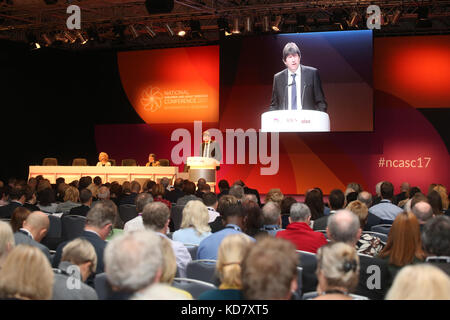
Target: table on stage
{"points": [[108, 174]]}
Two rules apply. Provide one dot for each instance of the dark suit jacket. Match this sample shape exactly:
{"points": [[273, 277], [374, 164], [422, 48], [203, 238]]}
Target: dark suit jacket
{"points": [[321, 223], [128, 199], [31, 207], [7, 211], [214, 150], [22, 238], [372, 220], [311, 92], [80, 210], [174, 195]]}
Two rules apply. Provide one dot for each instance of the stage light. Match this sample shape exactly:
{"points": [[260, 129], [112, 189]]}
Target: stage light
{"points": [[61, 38], [354, 19], [169, 30], [181, 31], [196, 30], [32, 41], [235, 26], [150, 31], [265, 24], [69, 37], [47, 40], [248, 24], [276, 26], [133, 31], [83, 40]]}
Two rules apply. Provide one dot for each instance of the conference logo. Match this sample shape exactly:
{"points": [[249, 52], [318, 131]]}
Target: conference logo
{"points": [[152, 99]]}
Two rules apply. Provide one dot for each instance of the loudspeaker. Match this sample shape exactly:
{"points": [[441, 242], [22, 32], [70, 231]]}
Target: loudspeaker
{"points": [[159, 6]]}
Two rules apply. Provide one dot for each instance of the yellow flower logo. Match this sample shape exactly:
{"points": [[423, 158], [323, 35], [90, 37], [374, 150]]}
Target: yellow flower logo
{"points": [[152, 99]]}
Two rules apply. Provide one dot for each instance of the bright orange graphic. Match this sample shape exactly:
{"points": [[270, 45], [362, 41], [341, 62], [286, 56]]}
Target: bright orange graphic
{"points": [[178, 85]]}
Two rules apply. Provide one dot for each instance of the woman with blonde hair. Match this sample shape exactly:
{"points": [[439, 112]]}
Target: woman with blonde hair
{"points": [[274, 195], [103, 160], [229, 257], [7, 241], [26, 275], [420, 282], [71, 200], [337, 271], [194, 225]]}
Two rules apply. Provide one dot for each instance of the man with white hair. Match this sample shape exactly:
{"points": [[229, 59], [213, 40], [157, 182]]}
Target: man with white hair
{"points": [[34, 229], [142, 199], [423, 212], [272, 218], [133, 262], [103, 193], [374, 276], [372, 220]]}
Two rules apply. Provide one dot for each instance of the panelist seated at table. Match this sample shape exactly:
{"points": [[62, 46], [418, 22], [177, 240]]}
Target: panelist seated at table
{"points": [[152, 161], [103, 160]]}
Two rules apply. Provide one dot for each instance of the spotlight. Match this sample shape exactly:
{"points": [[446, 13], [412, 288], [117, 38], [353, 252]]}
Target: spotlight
{"points": [[235, 26], [196, 29], [224, 27], [354, 19], [248, 25], [169, 29], [133, 31], [150, 31], [32, 41], [83, 40], [276, 25], [181, 31], [47, 40], [69, 37]]}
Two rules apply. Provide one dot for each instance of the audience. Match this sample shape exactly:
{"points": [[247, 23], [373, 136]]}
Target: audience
{"points": [[130, 194], [337, 271], [336, 201], [4, 196], [103, 193], [274, 195], [404, 245], [403, 195], [228, 267], [314, 201], [158, 192], [86, 203], [436, 242], [237, 191], [442, 191], [420, 282], [372, 220], [189, 193], [248, 190], [30, 199], [223, 203], [7, 242], [269, 270], [177, 192], [385, 210], [286, 210], [26, 274], [16, 199], [435, 201], [71, 198], [46, 200], [272, 218], [194, 225], [78, 261], [18, 217], [211, 203], [142, 199], [423, 212], [299, 232], [253, 218], [224, 188]]}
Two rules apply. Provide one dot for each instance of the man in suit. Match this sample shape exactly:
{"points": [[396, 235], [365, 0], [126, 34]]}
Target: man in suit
{"points": [[86, 202], [209, 148], [177, 192], [297, 87], [16, 199], [34, 229], [248, 190], [336, 200]]}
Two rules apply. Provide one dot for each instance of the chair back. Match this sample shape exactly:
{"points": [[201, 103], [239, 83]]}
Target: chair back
{"points": [[192, 248], [194, 287], [381, 228], [308, 263], [176, 215], [129, 163], [102, 286], [297, 294], [112, 161], [164, 162], [54, 234], [50, 162], [203, 270], [72, 226], [79, 162], [127, 212], [383, 237]]}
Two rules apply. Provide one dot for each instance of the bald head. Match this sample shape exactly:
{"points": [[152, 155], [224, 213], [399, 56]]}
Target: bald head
{"points": [[404, 187], [343, 226], [423, 211], [37, 223], [366, 198]]}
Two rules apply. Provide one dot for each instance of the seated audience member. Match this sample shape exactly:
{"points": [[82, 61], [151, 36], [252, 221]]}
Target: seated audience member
{"points": [[372, 220], [418, 197], [352, 196], [436, 242], [78, 260], [272, 218], [386, 210], [46, 200], [103, 193], [133, 262], [211, 203], [377, 198], [97, 181], [420, 282], [423, 212], [442, 191], [274, 195], [336, 201], [160, 291], [233, 216], [71, 198], [189, 191], [269, 270], [237, 191], [248, 190], [34, 229], [286, 210], [253, 218], [200, 183], [337, 271], [158, 191], [26, 274], [16, 199], [7, 242], [103, 160], [130, 198], [228, 267], [30, 199], [177, 192], [86, 203], [169, 268], [93, 189], [4, 196], [404, 245], [74, 183], [299, 232], [224, 202], [60, 190], [84, 182], [19, 215], [156, 216], [435, 201], [134, 224], [368, 244], [250, 197], [314, 201], [32, 182], [165, 182], [403, 195], [152, 161], [43, 184], [194, 225], [224, 188], [343, 226], [99, 223], [356, 187]]}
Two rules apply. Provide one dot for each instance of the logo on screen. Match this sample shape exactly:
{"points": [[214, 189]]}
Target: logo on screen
{"points": [[152, 99]]}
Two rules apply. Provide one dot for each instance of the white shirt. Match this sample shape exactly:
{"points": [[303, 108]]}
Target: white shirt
{"points": [[182, 254], [298, 83], [134, 224], [213, 214]]}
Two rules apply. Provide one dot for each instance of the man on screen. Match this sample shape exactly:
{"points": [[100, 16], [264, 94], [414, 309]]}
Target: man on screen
{"points": [[297, 87]]}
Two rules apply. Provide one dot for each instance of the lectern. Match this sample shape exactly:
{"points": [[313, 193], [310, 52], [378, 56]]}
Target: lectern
{"points": [[295, 121], [203, 167]]}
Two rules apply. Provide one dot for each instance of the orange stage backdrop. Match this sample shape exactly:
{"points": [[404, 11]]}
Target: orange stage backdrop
{"points": [[172, 85]]}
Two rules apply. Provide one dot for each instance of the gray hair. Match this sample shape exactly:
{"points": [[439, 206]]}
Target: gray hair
{"points": [[251, 197], [103, 193], [237, 191], [423, 211], [155, 215], [271, 213], [343, 226], [299, 212], [102, 213], [366, 198], [290, 48], [165, 182], [141, 200], [133, 259]]}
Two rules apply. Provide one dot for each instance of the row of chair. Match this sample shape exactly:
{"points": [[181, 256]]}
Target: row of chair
{"points": [[83, 162]]}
